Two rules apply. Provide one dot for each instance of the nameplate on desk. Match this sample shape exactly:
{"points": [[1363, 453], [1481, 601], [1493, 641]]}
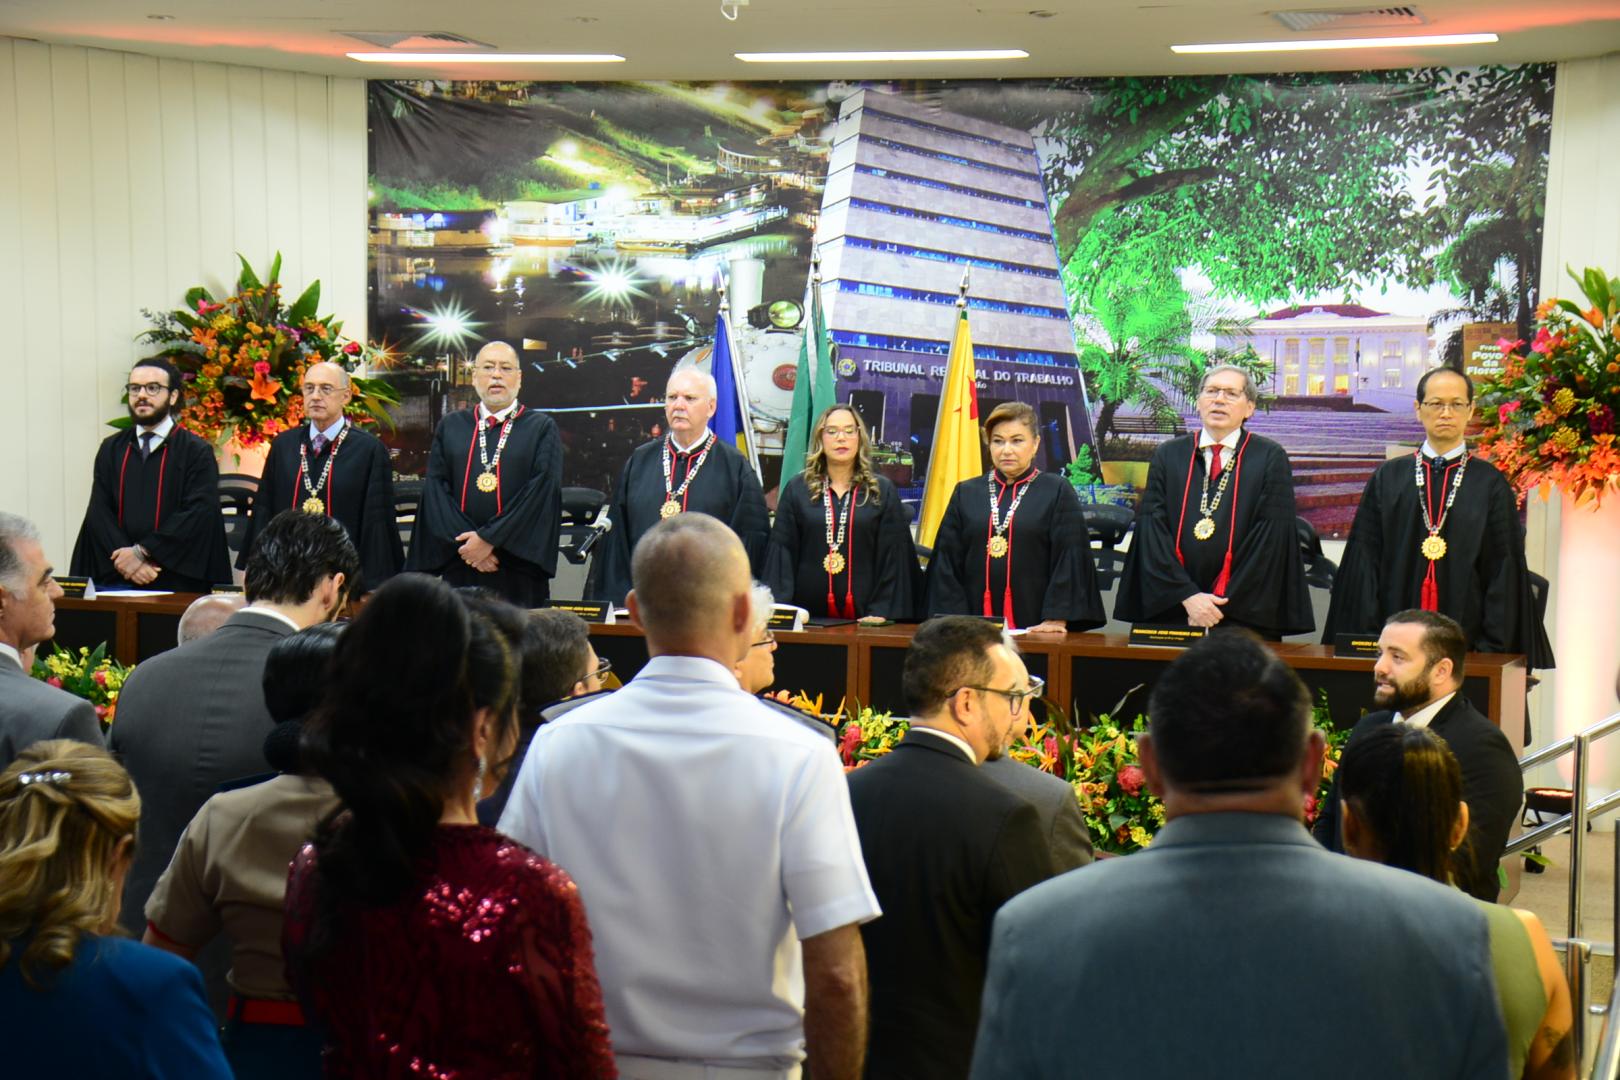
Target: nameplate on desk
{"points": [[76, 588], [782, 620], [1359, 645], [1172, 637], [227, 590], [592, 611]]}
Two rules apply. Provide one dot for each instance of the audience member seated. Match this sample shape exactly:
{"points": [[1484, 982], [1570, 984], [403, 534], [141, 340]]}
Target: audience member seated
{"points": [[206, 614], [560, 670], [1402, 806], [1418, 679], [29, 709], [1261, 954], [757, 669], [421, 942], [77, 999], [229, 873], [712, 840]]}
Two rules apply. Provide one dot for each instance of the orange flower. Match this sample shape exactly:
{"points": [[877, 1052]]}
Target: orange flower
{"points": [[265, 389]]}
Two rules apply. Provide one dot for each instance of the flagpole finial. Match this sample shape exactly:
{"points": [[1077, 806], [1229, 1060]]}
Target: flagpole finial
{"points": [[815, 265], [725, 292], [961, 293]]}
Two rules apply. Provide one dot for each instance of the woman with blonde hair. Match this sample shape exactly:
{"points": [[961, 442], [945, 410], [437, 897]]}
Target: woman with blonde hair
{"points": [[68, 813], [841, 546], [1402, 792]]}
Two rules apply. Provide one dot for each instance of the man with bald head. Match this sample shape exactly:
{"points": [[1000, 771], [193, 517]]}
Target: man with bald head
{"points": [[207, 614], [711, 839], [491, 510], [687, 470], [330, 466]]}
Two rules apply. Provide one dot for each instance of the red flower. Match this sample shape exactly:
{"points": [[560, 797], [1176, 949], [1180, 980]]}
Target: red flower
{"points": [[352, 348], [1509, 347], [1131, 778], [1601, 420], [54, 681], [1506, 411], [101, 712], [261, 368], [847, 745], [100, 677]]}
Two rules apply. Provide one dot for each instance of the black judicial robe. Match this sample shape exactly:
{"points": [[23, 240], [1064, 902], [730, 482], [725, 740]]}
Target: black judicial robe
{"points": [[359, 493], [522, 518], [1267, 590], [877, 549], [1053, 576], [726, 487], [1482, 579], [170, 508]]}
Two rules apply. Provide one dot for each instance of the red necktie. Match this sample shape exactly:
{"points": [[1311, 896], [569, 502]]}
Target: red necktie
{"points": [[1214, 459]]}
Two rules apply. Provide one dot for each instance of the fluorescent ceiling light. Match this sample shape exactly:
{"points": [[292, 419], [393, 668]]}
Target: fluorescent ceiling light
{"points": [[1416, 41], [861, 57], [484, 58]]}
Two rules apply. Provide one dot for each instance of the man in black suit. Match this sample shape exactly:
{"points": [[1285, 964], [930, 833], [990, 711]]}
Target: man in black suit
{"points": [[1417, 679], [194, 717], [945, 847]]}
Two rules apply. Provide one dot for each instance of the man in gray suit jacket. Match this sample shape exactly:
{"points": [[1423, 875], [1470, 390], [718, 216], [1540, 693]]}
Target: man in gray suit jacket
{"points": [[29, 709], [1054, 800], [193, 718], [1263, 954]]}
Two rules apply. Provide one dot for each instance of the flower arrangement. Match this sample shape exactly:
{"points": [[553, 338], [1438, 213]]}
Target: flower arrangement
{"points": [[243, 358], [1549, 415], [1100, 762], [85, 674]]}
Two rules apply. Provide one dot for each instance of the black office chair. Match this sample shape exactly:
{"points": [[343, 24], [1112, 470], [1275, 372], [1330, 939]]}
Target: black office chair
{"points": [[407, 501], [1108, 526], [1319, 569], [580, 509], [236, 492]]}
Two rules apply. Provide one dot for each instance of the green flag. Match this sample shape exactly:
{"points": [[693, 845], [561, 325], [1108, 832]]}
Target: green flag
{"points": [[813, 389]]}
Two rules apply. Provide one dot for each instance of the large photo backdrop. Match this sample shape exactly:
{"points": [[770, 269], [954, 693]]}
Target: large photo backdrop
{"points": [[1335, 234]]}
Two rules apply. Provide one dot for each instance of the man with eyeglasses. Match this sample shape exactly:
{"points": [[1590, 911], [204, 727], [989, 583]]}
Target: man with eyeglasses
{"points": [[332, 466], [1215, 541], [1438, 530], [153, 521], [491, 511], [945, 846]]}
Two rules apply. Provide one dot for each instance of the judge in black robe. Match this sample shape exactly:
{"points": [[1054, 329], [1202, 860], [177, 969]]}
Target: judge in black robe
{"points": [[1048, 561], [880, 560], [164, 504], [517, 522], [1481, 581], [724, 486], [1264, 585], [359, 493]]}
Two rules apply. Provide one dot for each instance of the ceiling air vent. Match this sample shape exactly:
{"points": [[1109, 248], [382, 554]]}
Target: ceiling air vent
{"points": [[417, 40], [1350, 18]]}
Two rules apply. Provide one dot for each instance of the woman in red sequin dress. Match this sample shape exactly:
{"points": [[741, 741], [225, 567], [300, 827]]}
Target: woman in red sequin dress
{"points": [[424, 944]]}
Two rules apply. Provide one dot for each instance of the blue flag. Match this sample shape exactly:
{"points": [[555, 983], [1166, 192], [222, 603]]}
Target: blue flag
{"points": [[731, 415]]}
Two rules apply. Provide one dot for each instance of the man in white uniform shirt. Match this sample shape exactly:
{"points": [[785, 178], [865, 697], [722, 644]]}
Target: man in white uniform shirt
{"points": [[711, 839]]}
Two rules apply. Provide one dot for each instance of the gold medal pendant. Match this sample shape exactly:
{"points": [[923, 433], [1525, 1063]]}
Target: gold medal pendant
{"points": [[834, 562], [487, 482], [998, 547], [1434, 548], [669, 509], [1204, 529], [313, 505]]}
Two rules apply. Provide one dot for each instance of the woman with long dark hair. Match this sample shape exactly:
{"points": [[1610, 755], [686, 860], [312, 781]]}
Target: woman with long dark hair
{"points": [[841, 547], [77, 998], [1402, 792], [422, 942]]}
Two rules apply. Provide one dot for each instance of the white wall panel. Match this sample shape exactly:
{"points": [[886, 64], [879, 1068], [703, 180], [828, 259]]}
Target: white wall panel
{"points": [[124, 180]]}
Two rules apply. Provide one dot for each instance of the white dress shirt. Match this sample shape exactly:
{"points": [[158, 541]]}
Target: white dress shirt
{"points": [[708, 835], [484, 416], [1425, 716], [16, 657], [160, 431], [1228, 446], [1450, 455], [955, 740], [699, 441], [331, 433]]}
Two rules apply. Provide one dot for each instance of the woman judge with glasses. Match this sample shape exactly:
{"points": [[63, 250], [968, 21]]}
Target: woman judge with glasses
{"points": [[841, 546], [1013, 543], [1216, 543]]}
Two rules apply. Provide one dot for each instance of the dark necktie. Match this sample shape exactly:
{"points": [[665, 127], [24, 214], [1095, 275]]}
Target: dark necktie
{"points": [[146, 444], [318, 443]]}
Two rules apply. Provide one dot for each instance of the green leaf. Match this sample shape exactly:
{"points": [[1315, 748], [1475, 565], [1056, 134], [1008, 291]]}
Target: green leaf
{"points": [[304, 307], [275, 270], [122, 423], [248, 279], [195, 294]]}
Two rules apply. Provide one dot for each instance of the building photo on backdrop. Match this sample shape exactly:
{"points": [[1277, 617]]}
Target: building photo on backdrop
{"points": [[1334, 234]]}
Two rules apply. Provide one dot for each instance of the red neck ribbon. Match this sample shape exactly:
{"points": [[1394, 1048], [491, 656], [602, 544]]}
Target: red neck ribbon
{"points": [[478, 412], [849, 559], [163, 462], [989, 531], [1430, 593], [1224, 578]]}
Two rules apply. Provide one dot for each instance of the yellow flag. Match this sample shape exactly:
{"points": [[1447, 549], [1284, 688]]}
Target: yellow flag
{"points": [[955, 454]]}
